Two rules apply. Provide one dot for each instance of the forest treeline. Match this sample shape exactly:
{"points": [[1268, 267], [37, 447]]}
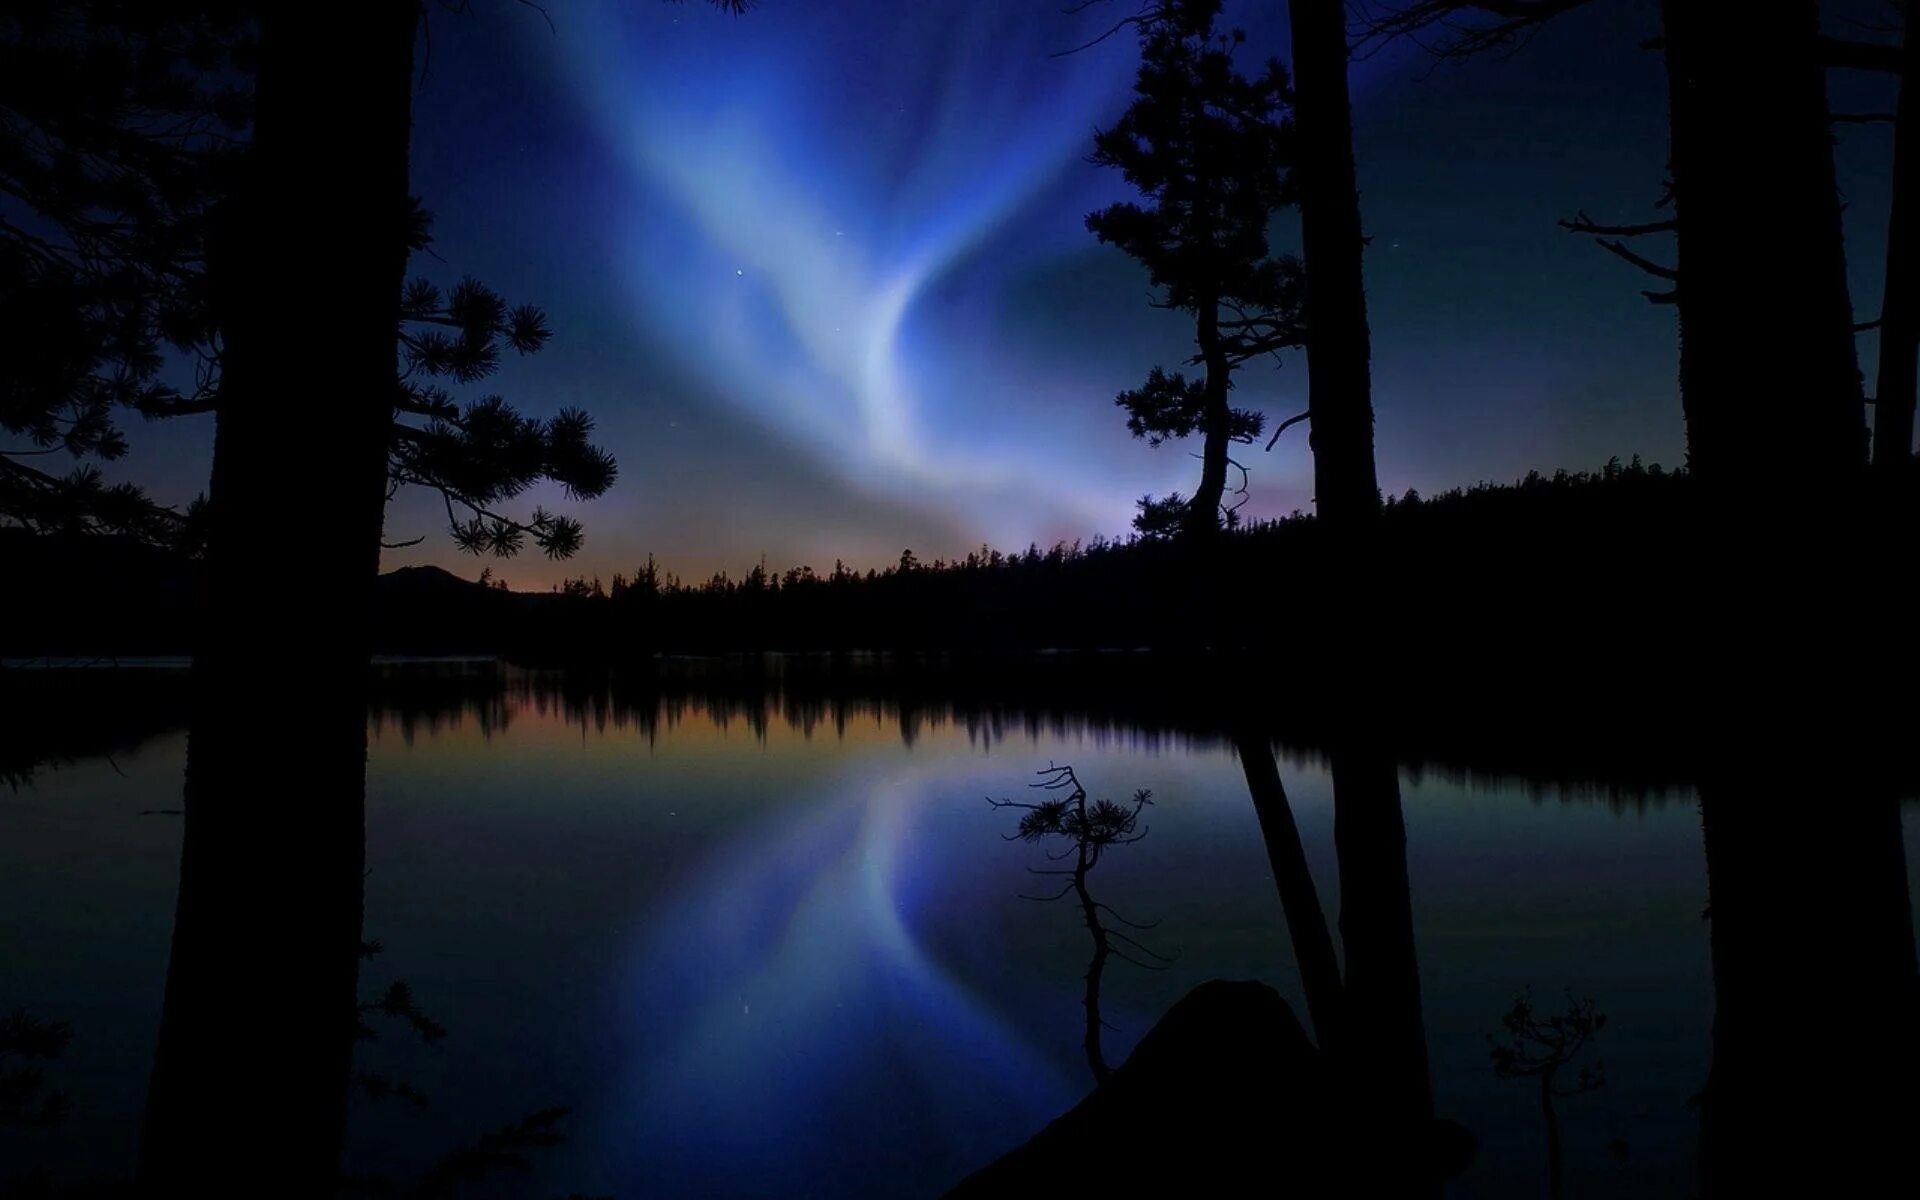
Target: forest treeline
{"points": [[1566, 564], [1148, 591]]}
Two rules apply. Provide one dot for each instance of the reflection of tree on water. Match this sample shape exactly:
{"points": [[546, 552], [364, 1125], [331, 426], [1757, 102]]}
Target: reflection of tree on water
{"points": [[1368, 1021], [1357, 1107], [1089, 831], [1539, 1047], [1817, 1000], [56, 717], [1299, 902], [394, 1003], [30, 1103], [1787, 828], [502, 1151], [27, 1099]]}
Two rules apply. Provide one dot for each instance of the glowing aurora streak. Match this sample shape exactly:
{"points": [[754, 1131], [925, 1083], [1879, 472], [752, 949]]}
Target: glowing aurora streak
{"points": [[807, 175]]}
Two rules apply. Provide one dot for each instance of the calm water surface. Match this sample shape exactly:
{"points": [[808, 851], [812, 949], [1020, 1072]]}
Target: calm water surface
{"points": [[779, 952]]}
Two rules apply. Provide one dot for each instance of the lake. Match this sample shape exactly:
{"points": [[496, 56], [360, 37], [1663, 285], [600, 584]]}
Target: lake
{"points": [[769, 943]]}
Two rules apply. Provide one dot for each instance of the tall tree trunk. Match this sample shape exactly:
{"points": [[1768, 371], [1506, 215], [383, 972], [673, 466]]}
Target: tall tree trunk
{"points": [[251, 1071], [1203, 514], [1299, 901], [1815, 990], [1759, 235], [1383, 1051], [1339, 349], [1096, 969], [1893, 397], [1386, 1050]]}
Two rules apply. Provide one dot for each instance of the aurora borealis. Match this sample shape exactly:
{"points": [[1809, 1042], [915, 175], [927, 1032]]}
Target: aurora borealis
{"points": [[820, 273]]}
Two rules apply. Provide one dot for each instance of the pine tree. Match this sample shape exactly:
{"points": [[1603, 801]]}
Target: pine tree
{"points": [[329, 363], [484, 451], [1209, 149], [120, 123], [127, 132]]}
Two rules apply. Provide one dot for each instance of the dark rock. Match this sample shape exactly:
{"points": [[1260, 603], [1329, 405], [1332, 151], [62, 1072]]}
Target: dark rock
{"points": [[1224, 1094]]}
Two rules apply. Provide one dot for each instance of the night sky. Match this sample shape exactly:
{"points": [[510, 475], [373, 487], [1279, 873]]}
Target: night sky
{"points": [[820, 271]]}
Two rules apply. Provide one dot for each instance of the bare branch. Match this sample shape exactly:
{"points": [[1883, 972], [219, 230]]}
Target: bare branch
{"points": [[1582, 223], [1645, 264], [1125, 957], [1288, 424], [1146, 16], [1505, 25], [1150, 953], [1043, 899], [1130, 924], [158, 409], [544, 14]]}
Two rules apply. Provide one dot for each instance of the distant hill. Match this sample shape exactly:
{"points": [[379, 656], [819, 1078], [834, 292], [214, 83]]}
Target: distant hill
{"points": [[112, 596], [428, 610]]}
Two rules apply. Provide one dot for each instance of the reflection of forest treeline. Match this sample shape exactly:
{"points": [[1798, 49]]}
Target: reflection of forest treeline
{"points": [[57, 717], [1147, 701]]}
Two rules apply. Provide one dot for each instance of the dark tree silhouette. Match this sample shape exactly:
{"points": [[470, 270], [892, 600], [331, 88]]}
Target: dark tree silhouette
{"points": [[1748, 110], [1381, 993], [126, 127], [1299, 900], [1804, 1049], [1376, 930], [119, 125], [1339, 349], [311, 438], [482, 452], [1466, 27], [270, 883], [501, 1151], [1539, 1048], [1090, 831], [1210, 149], [1369, 1022], [1748, 117], [1382, 988], [26, 1099]]}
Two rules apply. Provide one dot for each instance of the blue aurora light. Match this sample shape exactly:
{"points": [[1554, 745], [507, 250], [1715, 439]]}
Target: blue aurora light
{"points": [[809, 176], [820, 272], [788, 997]]}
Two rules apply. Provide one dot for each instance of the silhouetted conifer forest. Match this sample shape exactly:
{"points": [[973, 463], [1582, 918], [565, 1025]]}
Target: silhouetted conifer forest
{"points": [[1590, 565], [207, 209]]}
